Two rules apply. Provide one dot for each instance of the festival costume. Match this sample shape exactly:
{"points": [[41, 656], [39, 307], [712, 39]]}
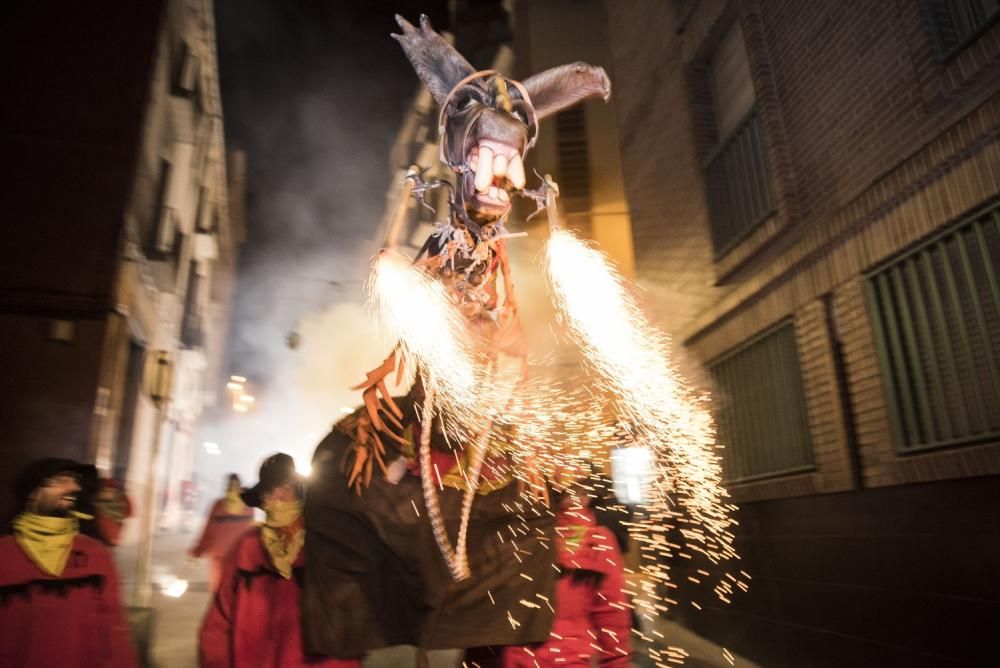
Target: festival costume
{"points": [[228, 520], [379, 544], [373, 559], [591, 608], [254, 620], [60, 606]]}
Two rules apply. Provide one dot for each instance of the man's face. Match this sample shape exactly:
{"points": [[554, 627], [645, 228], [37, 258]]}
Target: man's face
{"points": [[285, 493], [56, 496]]}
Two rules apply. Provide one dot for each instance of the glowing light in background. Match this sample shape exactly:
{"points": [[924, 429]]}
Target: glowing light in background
{"points": [[211, 448], [176, 588], [631, 471]]}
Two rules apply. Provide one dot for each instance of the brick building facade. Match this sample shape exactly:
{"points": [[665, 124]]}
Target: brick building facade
{"points": [[813, 189], [124, 215]]}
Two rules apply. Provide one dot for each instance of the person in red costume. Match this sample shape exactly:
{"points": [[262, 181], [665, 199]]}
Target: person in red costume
{"points": [[227, 521], [254, 620], [593, 620], [59, 596]]}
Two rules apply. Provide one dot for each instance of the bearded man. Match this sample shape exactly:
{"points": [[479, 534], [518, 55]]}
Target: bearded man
{"points": [[59, 591]]}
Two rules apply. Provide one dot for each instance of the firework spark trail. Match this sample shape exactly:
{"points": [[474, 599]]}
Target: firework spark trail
{"points": [[416, 310], [632, 360]]}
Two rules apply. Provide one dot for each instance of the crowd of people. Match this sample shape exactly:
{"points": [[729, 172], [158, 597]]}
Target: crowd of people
{"points": [[60, 598]]}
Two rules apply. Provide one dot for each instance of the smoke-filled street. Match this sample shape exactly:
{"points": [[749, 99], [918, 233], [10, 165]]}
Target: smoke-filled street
{"points": [[500, 334]]}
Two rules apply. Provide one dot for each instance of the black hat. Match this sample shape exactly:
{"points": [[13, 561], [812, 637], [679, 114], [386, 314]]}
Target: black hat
{"points": [[277, 470], [35, 473]]}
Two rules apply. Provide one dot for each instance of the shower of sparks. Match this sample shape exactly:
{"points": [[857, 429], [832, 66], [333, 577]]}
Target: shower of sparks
{"points": [[631, 362], [417, 311], [540, 427]]}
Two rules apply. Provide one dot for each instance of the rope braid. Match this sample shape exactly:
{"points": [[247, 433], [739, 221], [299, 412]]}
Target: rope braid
{"points": [[457, 560]]}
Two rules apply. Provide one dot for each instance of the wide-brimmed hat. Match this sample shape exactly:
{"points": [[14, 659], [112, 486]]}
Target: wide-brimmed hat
{"points": [[275, 471], [35, 473]]}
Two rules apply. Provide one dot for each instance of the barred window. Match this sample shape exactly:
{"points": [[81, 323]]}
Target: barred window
{"points": [[956, 22], [737, 173], [760, 408], [936, 318]]}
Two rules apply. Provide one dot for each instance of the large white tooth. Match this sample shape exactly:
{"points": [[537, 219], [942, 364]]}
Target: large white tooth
{"points": [[515, 172], [484, 170], [500, 166], [504, 197]]}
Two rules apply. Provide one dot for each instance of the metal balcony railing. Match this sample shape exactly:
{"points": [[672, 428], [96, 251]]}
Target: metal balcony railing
{"points": [[738, 178]]}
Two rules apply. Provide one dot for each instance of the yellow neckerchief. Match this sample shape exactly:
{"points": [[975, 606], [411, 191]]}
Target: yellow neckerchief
{"points": [[47, 540], [232, 502], [282, 546]]}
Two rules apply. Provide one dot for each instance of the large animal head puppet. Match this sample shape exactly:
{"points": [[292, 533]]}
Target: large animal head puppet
{"points": [[487, 121]]}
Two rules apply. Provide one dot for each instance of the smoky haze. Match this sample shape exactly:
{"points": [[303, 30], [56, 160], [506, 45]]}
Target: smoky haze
{"points": [[314, 92]]}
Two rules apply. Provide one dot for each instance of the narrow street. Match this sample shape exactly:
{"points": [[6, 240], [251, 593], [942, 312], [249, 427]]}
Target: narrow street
{"points": [[176, 622]]}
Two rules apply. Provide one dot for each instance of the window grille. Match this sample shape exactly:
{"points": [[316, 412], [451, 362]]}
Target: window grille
{"points": [[738, 178], [936, 318], [956, 22], [760, 408]]}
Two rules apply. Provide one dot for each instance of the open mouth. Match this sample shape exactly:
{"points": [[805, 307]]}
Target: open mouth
{"points": [[497, 168]]}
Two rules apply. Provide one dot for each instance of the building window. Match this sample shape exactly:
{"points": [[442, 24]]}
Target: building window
{"points": [[192, 324], [164, 217], [957, 22], [190, 68], [737, 173], [936, 318], [760, 408]]}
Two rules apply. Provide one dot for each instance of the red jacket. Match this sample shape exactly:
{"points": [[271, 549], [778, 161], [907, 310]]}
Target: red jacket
{"points": [[254, 619], [592, 617], [221, 531], [74, 620]]}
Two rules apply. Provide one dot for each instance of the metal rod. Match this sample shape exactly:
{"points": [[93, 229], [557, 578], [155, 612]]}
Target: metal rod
{"points": [[402, 207], [926, 336]]}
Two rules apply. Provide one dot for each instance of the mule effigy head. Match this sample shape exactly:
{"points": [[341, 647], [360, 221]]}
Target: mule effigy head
{"points": [[488, 122]]}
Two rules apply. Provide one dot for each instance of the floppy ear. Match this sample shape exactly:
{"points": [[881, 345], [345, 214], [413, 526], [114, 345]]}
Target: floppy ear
{"points": [[436, 61], [555, 89]]}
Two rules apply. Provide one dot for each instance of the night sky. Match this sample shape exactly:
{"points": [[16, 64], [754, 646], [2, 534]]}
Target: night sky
{"points": [[314, 91]]}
